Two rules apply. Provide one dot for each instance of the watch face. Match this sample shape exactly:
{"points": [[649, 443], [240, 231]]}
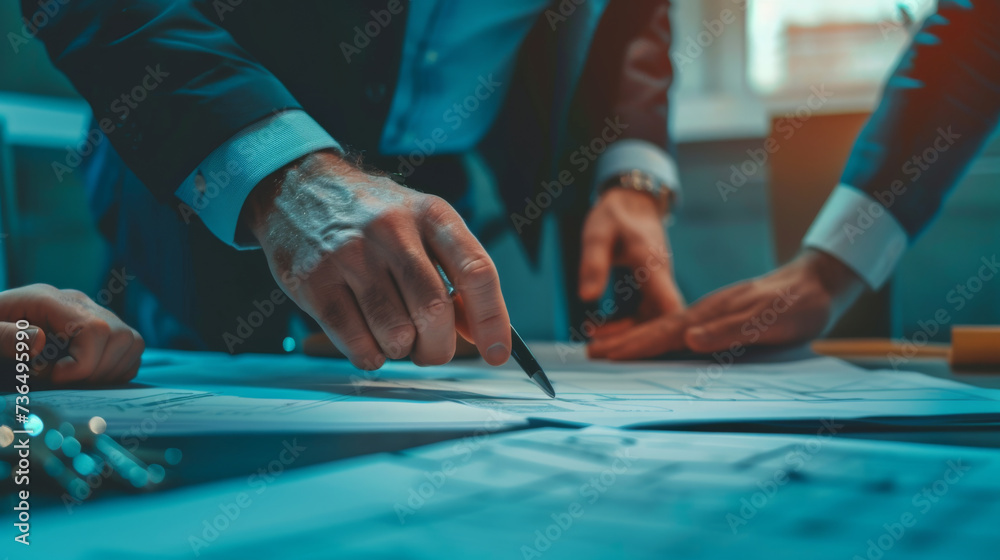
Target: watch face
{"points": [[640, 181]]}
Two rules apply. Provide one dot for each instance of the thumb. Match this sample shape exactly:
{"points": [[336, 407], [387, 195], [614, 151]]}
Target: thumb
{"points": [[13, 344], [663, 291], [595, 261]]}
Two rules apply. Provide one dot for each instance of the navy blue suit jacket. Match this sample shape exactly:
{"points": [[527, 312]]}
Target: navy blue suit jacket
{"points": [[938, 109], [224, 70]]}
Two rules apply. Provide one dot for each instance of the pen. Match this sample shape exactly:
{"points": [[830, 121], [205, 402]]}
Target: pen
{"points": [[519, 350]]}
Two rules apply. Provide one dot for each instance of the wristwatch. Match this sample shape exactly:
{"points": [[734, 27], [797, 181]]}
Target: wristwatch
{"points": [[641, 181]]}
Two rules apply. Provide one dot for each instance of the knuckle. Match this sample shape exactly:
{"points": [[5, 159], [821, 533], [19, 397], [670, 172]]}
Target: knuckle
{"points": [[478, 274], [123, 337], [434, 312], [139, 344], [344, 250], [352, 251], [490, 316], [391, 218], [436, 210], [98, 326], [333, 315], [75, 294]]}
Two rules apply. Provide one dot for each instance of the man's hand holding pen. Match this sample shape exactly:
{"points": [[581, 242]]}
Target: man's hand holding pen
{"points": [[358, 252]]}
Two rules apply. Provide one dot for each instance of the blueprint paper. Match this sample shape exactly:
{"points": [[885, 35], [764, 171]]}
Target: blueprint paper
{"points": [[183, 411], [556, 493], [214, 392]]}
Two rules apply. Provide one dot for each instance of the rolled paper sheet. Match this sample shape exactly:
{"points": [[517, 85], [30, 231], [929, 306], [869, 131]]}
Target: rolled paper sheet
{"points": [[877, 348], [972, 347], [975, 346]]}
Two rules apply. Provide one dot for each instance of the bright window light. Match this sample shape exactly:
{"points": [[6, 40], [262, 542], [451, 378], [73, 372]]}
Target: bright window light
{"points": [[796, 44]]}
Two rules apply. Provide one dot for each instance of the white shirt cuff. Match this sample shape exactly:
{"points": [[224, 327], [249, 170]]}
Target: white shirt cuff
{"points": [[859, 231], [217, 189], [631, 153]]}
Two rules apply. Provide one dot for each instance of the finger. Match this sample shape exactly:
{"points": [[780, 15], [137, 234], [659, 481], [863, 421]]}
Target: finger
{"points": [[41, 364], [127, 374], [649, 260], [384, 311], [722, 333], [614, 327], [112, 362], [661, 291], [474, 276], [12, 343], [430, 307], [595, 257], [88, 340], [130, 362], [461, 325], [342, 321], [120, 341], [720, 303], [646, 340], [604, 346]]}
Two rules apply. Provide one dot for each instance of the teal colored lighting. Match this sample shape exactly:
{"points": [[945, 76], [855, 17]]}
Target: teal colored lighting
{"points": [[54, 467], [137, 476], [172, 456], [156, 473], [71, 447], [67, 429], [84, 464], [34, 425], [53, 439]]}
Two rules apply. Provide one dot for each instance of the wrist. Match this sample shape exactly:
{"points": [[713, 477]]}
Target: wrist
{"points": [[637, 181], [629, 204], [263, 200], [838, 279]]}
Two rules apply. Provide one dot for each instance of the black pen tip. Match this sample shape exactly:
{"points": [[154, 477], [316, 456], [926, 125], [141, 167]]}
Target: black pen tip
{"points": [[543, 383]]}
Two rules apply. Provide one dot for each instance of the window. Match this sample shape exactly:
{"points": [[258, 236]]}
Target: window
{"points": [[793, 45]]}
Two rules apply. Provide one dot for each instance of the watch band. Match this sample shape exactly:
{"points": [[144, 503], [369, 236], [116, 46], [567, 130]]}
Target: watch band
{"points": [[643, 182]]}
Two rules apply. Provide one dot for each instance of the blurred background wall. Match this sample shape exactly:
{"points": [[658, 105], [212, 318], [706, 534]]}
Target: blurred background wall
{"points": [[745, 71], [51, 237]]}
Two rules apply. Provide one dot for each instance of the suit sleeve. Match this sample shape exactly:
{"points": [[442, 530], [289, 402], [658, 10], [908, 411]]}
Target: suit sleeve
{"points": [[167, 84], [641, 103], [939, 107]]}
